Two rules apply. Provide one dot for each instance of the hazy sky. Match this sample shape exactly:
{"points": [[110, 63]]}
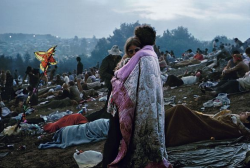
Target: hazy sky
{"points": [[66, 18]]}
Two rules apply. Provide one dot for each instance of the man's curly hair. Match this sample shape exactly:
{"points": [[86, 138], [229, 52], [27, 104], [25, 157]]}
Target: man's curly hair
{"points": [[146, 34]]}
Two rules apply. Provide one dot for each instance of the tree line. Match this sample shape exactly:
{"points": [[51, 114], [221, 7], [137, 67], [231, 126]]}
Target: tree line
{"points": [[178, 40]]}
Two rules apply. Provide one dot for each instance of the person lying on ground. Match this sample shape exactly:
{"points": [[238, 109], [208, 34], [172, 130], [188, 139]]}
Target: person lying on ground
{"points": [[86, 86], [72, 119], [183, 125], [58, 104], [186, 80], [78, 134], [60, 94], [186, 63]]}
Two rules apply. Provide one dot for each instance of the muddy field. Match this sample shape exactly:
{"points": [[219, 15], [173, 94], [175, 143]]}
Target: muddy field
{"points": [[32, 157]]}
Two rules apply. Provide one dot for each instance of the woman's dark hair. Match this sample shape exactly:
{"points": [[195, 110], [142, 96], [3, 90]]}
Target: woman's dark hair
{"points": [[146, 34], [132, 41]]}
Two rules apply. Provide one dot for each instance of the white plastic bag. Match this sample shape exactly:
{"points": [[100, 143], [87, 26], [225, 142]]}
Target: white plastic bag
{"points": [[88, 158]]}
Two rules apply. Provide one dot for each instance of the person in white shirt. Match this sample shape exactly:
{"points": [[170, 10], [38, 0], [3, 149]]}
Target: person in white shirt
{"points": [[173, 80], [66, 78]]}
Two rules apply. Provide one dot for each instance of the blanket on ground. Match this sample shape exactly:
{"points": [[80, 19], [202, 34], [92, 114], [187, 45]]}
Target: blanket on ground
{"points": [[183, 126], [210, 153], [186, 63], [79, 134], [73, 119]]}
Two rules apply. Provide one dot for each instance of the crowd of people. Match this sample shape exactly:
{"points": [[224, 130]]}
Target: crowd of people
{"points": [[139, 127]]}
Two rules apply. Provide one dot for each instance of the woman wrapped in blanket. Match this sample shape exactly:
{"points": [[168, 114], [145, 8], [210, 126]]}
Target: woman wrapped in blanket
{"points": [[136, 133]]}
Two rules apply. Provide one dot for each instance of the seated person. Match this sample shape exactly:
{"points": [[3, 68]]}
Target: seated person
{"points": [[233, 86], [74, 92], [169, 58], [86, 86], [187, 80], [183, 125], [71, 77], [162, 63], [223, 54], [230, 63], [58, 80], [188, 54], [65, 78], [198, 56], [247, 56], [89, 77], [236, 71], [59, 94]]}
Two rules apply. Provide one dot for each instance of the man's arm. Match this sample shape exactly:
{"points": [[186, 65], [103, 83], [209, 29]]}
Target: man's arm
{"points": [[235, 68]]}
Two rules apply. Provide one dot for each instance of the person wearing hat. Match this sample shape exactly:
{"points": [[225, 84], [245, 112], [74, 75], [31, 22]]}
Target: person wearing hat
{"points": [[108, 65], [106, 73], [237, 71]]}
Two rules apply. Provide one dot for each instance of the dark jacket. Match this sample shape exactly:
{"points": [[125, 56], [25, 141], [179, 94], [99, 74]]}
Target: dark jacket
{"points": [[107, 67], [79, 69], [34, 77]]}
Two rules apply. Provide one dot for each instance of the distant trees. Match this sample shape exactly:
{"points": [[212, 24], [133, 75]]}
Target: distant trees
{"points": [[178, 40], [6, 63], [92, 50], [119, 38]]}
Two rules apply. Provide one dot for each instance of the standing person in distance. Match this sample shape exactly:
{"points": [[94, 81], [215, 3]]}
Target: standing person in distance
{"points": [[79, 68]]}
